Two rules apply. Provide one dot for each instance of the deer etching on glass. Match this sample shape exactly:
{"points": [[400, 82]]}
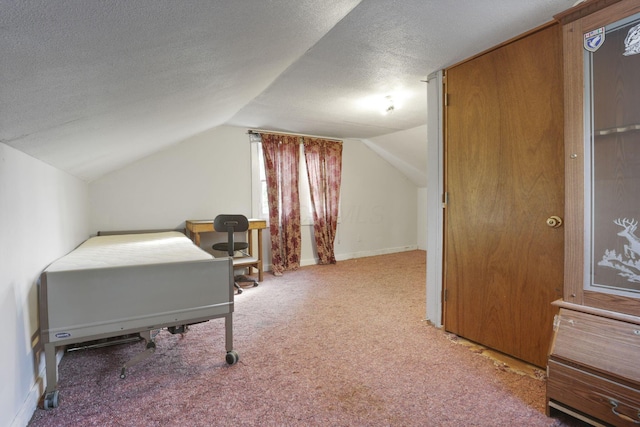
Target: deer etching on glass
{"points": [[627, 263], [633, 248]]}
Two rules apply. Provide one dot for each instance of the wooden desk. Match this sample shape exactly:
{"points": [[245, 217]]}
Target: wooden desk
{"points": [[197, 226]]}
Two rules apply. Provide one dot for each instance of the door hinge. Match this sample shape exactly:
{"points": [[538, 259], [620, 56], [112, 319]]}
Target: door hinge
{"points": [[444, 295], [445, 199], [446, 99]]}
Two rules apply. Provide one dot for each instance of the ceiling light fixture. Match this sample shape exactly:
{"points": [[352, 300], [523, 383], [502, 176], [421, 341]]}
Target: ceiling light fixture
{"points": [[388, 105], [384, 103]]}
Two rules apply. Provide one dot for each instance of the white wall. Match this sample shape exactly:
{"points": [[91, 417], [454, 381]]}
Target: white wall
{"points": [[205, 175], [378, 211], [43, 215], [211, 173]]}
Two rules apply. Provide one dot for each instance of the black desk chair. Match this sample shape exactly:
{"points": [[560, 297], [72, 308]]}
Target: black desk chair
{"points": [[232, 224]]}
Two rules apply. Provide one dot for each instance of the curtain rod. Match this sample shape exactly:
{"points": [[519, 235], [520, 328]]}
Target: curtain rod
{"points": [[258, 132]]}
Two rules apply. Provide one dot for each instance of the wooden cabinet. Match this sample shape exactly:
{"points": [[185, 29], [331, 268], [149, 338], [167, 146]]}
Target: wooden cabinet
{"points": [[575, 389], [593, 369]]}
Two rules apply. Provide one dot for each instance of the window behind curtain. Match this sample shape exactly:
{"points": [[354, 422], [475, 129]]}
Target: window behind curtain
{"points": [[259, 183]]}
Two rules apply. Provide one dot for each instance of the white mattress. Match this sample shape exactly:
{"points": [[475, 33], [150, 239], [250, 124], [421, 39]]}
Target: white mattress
{"points": [[125, 283], [130, 249]]}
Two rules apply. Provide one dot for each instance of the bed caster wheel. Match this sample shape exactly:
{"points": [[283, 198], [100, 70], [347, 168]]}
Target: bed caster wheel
{"points": [[232, 357], [50, 400], [255, 284]]}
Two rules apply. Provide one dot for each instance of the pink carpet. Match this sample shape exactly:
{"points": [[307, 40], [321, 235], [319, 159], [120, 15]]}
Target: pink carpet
{"points": [[341, 345]]}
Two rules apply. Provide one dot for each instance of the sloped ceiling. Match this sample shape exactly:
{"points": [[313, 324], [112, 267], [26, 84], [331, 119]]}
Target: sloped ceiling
{"points": [[90, 86]]}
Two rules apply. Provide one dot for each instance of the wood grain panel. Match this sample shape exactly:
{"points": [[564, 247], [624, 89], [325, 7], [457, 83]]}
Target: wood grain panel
{"points": [[574, 163], [504, 177], [575, 154], [583, 9], [615, 303], [593, 395], [603, 345]]}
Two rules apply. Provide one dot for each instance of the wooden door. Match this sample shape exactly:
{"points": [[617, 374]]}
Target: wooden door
{"points": [[504, 177]]}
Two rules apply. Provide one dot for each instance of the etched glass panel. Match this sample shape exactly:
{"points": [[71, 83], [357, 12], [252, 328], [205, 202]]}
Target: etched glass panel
{"points": [[613, 157]]}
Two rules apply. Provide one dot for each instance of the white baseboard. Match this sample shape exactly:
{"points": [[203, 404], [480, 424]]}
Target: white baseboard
{"points": [[362, 254], [386, 251], [32, 399], [29, 406]]}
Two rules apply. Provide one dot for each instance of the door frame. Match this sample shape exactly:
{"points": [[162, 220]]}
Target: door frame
{"points": [[435, 194]]}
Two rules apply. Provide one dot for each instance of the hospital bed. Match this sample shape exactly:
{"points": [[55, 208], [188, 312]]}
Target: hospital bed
{"points": [[118, 285]]}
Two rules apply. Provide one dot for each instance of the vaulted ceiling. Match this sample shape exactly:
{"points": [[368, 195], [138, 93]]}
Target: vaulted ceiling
{"points": [[89, 86]]}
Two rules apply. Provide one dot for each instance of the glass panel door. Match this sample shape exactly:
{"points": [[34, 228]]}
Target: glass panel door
{"points": [[612, 184]]}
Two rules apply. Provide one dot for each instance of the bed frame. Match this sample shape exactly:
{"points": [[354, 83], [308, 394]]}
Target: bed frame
{"points": [[118, 285]]}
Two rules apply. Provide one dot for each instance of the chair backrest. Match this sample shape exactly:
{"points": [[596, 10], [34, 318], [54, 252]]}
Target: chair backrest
{"points": [[230, 224]]}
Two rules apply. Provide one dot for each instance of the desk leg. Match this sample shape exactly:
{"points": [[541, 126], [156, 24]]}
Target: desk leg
{"points": [[251, 247], [260, 275], [196, 238]]}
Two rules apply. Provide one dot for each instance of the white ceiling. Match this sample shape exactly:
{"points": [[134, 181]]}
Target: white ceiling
{"points": [[89, 86]]}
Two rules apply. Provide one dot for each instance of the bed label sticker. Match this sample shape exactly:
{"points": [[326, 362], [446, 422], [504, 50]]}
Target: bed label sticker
{"points": [[63, 335]]}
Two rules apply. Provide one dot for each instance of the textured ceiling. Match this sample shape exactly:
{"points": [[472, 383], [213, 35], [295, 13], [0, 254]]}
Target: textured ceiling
{"points": [[90, 86]]}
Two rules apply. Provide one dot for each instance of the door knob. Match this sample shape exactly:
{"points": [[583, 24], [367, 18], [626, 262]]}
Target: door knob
{"points": [[554, 221]]}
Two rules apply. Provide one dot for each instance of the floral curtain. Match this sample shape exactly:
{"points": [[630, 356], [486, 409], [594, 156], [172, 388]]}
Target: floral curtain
{"points": [[281, 164], [324, 169]]}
